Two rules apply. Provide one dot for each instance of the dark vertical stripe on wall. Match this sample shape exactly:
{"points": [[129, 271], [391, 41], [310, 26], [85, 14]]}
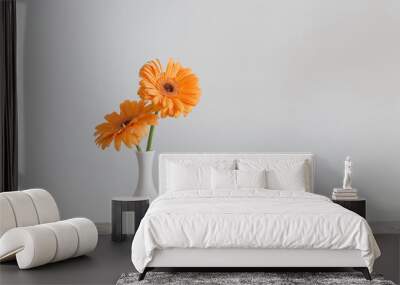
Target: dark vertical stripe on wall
{"points": [[8, 92]]}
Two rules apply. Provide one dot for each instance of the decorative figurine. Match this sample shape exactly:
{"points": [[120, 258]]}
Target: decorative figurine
{"points": [[347, 173]]}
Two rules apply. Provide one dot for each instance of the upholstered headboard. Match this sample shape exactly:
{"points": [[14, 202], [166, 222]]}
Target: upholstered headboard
{"points": [[200, 158]]}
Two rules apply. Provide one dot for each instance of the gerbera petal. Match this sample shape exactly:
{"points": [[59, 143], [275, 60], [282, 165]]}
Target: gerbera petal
{"points": [[117, 141], [113, 118], [103, 127], [170, 68], [184, 72], [179, 105], [128, 108], [190, 81], [151, 71], [104, 142], [126, 138]]}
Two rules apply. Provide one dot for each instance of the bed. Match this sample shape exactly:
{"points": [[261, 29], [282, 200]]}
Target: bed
{"points": [[247, 211]]}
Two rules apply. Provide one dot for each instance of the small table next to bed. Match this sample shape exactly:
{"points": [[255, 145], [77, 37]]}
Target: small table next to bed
{"points": [[357, 206], [137, 204]]}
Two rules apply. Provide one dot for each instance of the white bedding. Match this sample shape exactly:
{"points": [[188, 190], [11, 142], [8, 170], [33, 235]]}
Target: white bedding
{"points": [[250, 218]]}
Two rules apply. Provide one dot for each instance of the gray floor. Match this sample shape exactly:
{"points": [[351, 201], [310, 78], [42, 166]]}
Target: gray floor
{"points": [[110, 260], [103, 266]]}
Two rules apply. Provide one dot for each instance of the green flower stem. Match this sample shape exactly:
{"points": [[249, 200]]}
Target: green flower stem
{"points": [[139, 149], [150, 139]]}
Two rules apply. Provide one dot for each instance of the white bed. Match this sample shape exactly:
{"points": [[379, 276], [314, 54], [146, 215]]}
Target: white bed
{"points": [[249, 227]]}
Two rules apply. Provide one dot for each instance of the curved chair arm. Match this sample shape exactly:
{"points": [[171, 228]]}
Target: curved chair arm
{"points": [[40, 244], [32, 246]]}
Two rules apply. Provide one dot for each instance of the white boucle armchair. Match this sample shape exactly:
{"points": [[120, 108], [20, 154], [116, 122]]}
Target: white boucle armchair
{"points": [[31, 230]]}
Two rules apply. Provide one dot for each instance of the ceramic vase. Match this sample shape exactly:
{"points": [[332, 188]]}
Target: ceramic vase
{"points": [[145, 186]]}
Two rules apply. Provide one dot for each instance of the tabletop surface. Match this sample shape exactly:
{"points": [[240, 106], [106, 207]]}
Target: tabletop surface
{"points": [[130, 198], [346, 200]]}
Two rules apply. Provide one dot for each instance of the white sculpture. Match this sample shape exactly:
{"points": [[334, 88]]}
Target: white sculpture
{"points": [[347, 173]]}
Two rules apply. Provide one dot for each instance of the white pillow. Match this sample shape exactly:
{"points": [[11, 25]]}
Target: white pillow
{"points": [[251, 178], [292, 178], [285, 174], [188, 177], [223, 179]]}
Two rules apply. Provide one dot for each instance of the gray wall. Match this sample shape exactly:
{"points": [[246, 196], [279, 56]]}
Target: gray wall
{"points": [[288, 76]]}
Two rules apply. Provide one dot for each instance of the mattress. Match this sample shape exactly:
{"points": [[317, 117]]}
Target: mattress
{"points": [[250, 219]]}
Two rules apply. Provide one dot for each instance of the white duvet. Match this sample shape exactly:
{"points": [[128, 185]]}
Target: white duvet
{"points": [[251, 218]]}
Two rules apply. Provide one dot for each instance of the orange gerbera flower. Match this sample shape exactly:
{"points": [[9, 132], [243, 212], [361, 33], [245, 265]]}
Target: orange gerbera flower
{"points": [[173, 92], [129, 126]]}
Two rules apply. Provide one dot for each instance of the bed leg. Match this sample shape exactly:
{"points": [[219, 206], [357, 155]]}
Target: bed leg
{"points": [[364, 271], [143, 274]]}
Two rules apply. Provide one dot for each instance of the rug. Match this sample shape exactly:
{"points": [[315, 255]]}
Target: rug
{"points": [[269, 278]]}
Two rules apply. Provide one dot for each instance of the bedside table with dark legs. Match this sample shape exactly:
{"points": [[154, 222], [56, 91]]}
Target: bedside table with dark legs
{"points": [[358, 206]]}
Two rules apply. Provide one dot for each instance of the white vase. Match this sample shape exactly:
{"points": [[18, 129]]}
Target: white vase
{"points": [[145, 186]]}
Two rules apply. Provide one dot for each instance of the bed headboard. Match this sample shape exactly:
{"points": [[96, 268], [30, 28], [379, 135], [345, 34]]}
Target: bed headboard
{"points": [[164, 158]]}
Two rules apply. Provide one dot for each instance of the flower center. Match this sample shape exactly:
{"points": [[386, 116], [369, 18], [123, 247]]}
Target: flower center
{"points": [[125, 123], [169, 87]]}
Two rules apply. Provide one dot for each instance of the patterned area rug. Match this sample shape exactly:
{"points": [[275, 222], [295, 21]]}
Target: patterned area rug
{"points": [[229, 278]]}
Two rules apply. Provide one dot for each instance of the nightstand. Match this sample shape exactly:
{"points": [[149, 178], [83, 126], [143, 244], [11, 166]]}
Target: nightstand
{"points": [[137, 204], [358, 206]]}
